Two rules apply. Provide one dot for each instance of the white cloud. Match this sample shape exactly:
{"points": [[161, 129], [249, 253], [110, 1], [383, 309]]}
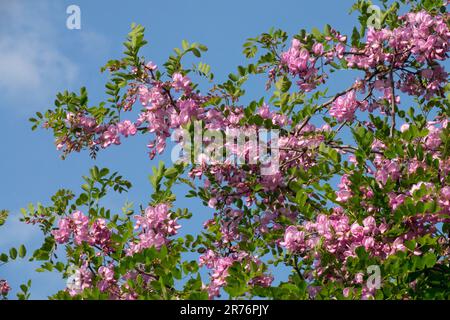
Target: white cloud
{"points": [[35, 53], [32, 64], [29, 64]]}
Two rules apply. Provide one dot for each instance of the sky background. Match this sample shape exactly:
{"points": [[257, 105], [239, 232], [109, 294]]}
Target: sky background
{"points": [[39, 56]]}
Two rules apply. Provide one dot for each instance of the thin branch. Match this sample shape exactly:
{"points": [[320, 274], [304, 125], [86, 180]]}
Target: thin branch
{"points": [[391, 76]]}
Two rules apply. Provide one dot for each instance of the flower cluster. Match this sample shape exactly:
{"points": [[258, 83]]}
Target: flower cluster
{"points": [[219, 266], [344, 108], [154, 227], [300, 63], [421, 37], [77, 225], [80, 280], [4, 287]]}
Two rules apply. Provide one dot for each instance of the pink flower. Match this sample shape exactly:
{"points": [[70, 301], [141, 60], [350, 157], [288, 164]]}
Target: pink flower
{"points": [[127, 128], [444, 199], [344, 193], [212, 203], [313, 291], [264, 111], [155, 226], [357, 230], [180, 82], [369, 224], [344, 107], [359, 277], [110, 136], [346, 292], [99, 234], [4, 287], [404, 127], [340, 49], [317, 49], [368, 242], [386, 169], [151, 66], [299, 63], [63, 232], [262, 281], [107, 277], [396, 200], [294, 240], [81, 227], [80, 280]]}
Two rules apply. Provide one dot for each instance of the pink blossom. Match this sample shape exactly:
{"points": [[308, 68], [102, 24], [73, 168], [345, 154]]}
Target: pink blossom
{"points": [[81, 227], [294, 240], [155, 226], [63, 232], [344, 107], [212, 203], [127, 128], [261, 281], [4, 287], [180, 82], [317, 48], [107, 277], [80, 280]]}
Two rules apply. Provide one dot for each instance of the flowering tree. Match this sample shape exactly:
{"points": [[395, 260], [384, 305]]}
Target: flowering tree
{"points": [[382, 233]]}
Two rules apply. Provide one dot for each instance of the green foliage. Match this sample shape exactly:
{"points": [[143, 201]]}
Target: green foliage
{"points": [[3, 216]]}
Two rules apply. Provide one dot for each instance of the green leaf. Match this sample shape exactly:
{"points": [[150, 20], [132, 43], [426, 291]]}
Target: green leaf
{"points": [[3, 216], [13, 253], [4, 257], [22, 251], [316, 33], [429, 259], [283, 84], [185, 45], [196, 52], [355, 37]]}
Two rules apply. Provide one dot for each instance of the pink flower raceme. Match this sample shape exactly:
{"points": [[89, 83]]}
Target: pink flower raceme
{"points": [[420, 35], [262, 281], [80, 227], [219, 265], [80, 280], [180, 82], [300, 63], [386, 169], [294, 240], [337, 236], [77, 225], [100, 234], [395, 200], [110, 136], [344, 108], [126, 128], [107, 278], [155, 227], [444, 199], [344, 193], [153, 98], [433, 139], [62, 234], [4, 287]]}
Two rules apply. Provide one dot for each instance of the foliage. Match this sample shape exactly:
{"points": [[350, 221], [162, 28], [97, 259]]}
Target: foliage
{"points": [[381, 233]]}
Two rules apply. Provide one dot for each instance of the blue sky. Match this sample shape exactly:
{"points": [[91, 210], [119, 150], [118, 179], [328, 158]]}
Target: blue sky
{"points": [[39, 56]]}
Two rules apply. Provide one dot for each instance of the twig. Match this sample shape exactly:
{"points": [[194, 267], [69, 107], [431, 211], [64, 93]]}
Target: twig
{"points": [[391, 76]]}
